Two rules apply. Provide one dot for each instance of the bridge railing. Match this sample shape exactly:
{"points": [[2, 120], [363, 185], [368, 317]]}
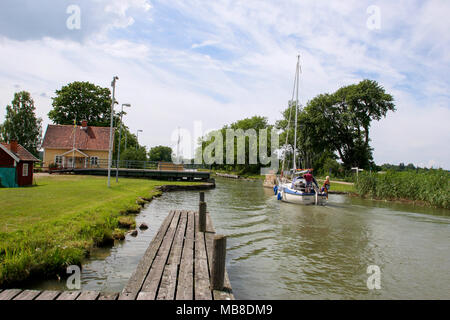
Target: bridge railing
{"points": [[126, 164]]}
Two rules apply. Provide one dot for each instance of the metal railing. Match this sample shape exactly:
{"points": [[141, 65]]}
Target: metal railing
{"points": [[125, 164]]}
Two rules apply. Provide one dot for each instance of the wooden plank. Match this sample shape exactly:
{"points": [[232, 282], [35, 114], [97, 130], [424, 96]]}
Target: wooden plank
{"points": [[136, 281], [153, 279], [177, 247], [9, 294], [209, 224], [168, 284], [48, 295], [169, 278], [28, 295], [88, 295], [185, 285], [202, 289], [69, 295], [108, 296]]}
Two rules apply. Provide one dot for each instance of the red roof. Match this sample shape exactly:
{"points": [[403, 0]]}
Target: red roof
{"points": [[22, 153], [61, 137]]}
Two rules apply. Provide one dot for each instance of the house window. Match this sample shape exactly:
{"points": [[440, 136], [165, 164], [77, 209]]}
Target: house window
{"points": [[25, 170], [58, 161], [94, 161]]}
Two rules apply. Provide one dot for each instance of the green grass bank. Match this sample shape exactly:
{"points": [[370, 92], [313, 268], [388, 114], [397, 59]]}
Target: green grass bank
{"points": [[430, 187], [54, 224]]}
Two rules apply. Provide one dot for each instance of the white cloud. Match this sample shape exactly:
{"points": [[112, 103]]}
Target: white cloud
{"points": [[120, 9], [205, 43]]}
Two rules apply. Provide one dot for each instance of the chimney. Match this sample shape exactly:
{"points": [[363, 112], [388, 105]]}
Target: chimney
{"points": [[84, 125], [14, 145]]}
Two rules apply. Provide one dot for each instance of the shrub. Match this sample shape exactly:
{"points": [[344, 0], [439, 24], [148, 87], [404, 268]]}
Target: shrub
{"points": [[431, 187]]}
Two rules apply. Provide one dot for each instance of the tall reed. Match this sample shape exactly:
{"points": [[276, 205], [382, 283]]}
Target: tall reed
{"points": [[430, 187]]}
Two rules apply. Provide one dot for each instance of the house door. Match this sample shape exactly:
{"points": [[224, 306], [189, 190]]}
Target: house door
{"points": [[69, 162], [80, 162], [77, 162]]}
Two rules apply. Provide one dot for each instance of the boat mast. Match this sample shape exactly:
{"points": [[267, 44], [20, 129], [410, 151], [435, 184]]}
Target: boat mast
{"points": [[291, 103], [296, 111]]}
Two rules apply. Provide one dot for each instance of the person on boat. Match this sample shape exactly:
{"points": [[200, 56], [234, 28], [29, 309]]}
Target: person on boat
{"points": [[309, 179], [326, 186]]}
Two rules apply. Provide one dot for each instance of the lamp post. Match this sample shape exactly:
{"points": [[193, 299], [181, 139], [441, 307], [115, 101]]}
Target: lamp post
{"points": [[120, 138], [137, 138], [113, 101]]}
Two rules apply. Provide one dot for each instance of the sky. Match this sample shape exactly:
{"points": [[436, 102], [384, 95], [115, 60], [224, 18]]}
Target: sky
{"points": [[203, 64]]}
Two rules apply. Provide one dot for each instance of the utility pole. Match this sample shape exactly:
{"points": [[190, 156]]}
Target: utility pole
{"points": [[74, 139], [137, 138], [113, 85], [120, 138], [178, 159]]}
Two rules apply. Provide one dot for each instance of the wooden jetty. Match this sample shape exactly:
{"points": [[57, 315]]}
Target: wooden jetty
{"points": [[184, 261], [178, 264], [17, 294], [226, 175]]}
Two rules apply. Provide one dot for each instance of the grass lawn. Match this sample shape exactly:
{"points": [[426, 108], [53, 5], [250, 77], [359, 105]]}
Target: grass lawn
{"points": [[339, 186], [54, 224]]}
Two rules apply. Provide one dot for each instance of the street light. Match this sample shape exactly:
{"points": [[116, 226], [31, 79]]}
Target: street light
{"points": [[120, 138], [113, 101], [137, 138]]}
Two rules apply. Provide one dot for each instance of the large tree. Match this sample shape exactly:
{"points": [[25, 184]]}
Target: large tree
{"points": [[340, 122], [134, 154], [160, 153], [22, 124], [227, 153], [82, 101]]}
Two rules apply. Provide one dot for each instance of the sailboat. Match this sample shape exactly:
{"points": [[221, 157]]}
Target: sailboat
{"points": [[294, 187]]}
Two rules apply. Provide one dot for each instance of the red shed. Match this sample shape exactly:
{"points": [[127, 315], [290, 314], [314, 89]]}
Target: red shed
{"points": [[16, 165]]}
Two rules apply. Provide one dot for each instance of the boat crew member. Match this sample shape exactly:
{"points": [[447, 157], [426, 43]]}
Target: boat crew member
{"points": [[309, 179], [326, 186]]}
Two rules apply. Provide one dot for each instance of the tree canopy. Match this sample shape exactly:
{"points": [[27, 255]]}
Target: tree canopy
{"points": [[22, 124], [224, 146], [134, 154], [160, 153], [82, 101]]}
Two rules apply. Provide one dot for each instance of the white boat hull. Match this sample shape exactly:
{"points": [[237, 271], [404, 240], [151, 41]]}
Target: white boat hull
{"points": [[303, 198], [297, 197]]}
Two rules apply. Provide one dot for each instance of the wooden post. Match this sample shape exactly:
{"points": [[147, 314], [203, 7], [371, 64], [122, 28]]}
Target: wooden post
{"points": [[202, 217], [218, 265], [202, 197]]}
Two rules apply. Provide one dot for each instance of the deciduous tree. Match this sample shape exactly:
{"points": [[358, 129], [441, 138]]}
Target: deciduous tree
{"points": [[160, 153], [22, 124], [82, 101]]}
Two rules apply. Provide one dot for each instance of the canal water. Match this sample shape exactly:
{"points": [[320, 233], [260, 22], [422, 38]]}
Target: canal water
{"points": [[283, 251]]}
